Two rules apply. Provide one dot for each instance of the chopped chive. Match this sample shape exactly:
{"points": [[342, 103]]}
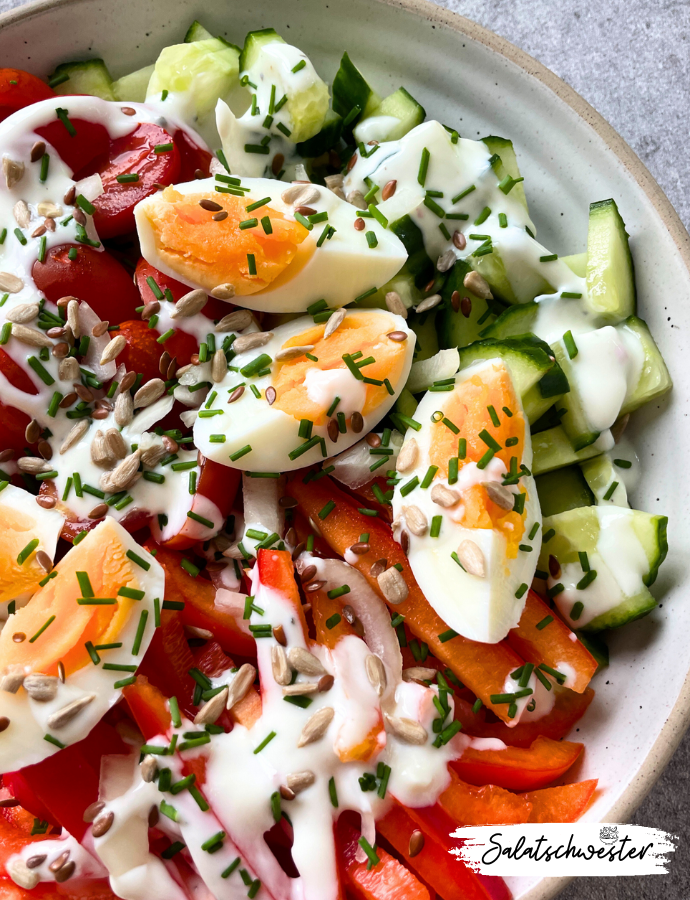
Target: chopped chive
{"points": [[570, 345], [267, 740], [547, 620], [300, 65], [584, 560], [521, 591], [429, 477], [27, 551], [339, 592], [248, 223], [462, 448], [622, 463], [577, 610], [555, 590], [463, 194], [130, 593], [611, 490], [41, 371], [435, 529], [85, 584], [140, 632], [423, 166], [372, 240], [494, 416], [446, 636], [54, 740], [43, 627], [550, 258], [333, 620], [570, 295], [409, 486], [586, 580]]}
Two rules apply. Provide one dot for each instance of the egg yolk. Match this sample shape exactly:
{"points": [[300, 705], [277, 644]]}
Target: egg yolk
{"points": [[209, 252], [469, 407], [18, 529], [361, 332], [103, 557]]}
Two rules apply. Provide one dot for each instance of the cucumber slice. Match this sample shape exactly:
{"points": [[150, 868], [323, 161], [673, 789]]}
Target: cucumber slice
{"points": [[418, 263], [425, 372], [535, 405], [563, 490], [352, 96], [403, 284], [454, 329], [524, 289], [597, 646], [552, 450], [601, 475], [655, 380], [406, 404], [327, 138], [574, 420], [88, 77], [610, 273], [504, 149], [402, 106], [253, 43], [577, 263], [527, 365], [424, 326], [196, 32], [205, 69], [555, 382], [615, 540], [133, 87], [513, 321]]}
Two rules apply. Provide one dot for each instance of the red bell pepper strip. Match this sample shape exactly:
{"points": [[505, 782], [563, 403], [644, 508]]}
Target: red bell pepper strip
{"points": [[551, 644], [149, 706], [516, 768], [482, 667], [168, 660], [443, 872], [568, 709], [212, 661], [200, 610], [565, 803], [387, 880]]}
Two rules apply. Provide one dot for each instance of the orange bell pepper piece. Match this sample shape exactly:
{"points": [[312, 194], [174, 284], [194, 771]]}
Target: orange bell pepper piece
{"points": [[565, 803], [482, 667], [168, 660], [467, 804], [517, 768], [552, 643], [212, 661], [277, 570], [324, 609]]}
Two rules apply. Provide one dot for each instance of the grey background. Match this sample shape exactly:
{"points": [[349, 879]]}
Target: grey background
{"points": [[631, 61]]}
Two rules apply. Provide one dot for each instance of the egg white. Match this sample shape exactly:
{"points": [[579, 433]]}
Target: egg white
{"points": [[482, 609], [271, 433], [339, 271], [22, 743]]}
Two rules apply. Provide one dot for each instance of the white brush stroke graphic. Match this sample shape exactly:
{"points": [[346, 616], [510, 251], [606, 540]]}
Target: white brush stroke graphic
{"points": [[565, 849]]}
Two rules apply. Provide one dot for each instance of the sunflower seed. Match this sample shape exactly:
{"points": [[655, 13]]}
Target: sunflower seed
{"points": [[428, 303], [12, 680], [407, 458], [21, 213], [416, 844], [33, 465], [148, 393], [223, 291], [376, 673], [68, 369], [100, 454], [300, 781], [241, 683], [293, 352], [334, 183], [124, 409], [235, 321], [305, 662], [316, 726], [407, 730], [41, 688], [102, 824], [444, 496], [9, 283], [113, 349], [247, 342], [123, 475], [48, 209], [148, 768], [395, 304], [472, 558], [13, 171], [115, 443], [479, 286], [418, 673], [446, 261], [416, 520], [356, 199], [282, 671], [153, 455], [499, 494], [334, 322], [76, 434], [65, 715], [212, 709], [300, 195], [189, 305], [393, 586], [23, 313], [219, 366], [19, 872], [29, 335], [304, 687]]}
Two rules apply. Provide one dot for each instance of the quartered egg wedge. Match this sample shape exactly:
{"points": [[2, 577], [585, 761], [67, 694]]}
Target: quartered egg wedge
{"points": [[84, 624], [281, 420], [24, 521], [467, 515], [274, 262]]}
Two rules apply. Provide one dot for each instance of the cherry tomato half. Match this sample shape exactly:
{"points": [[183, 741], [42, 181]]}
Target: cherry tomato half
{"points": [[94, 277], [214, 309], [143, 352], [77, 143], [19, 89], [193, 158]]}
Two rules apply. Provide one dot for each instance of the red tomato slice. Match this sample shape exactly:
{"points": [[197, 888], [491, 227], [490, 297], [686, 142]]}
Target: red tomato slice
{"points": [[134, 154], [13, 424], [214, 309], [94, 276], [76, 150], [14, 373], [143, 352], [19, 89], [193, 158]]}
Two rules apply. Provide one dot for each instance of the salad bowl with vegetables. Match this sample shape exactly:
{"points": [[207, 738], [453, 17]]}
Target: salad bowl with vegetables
{"points": [[317, 483]]}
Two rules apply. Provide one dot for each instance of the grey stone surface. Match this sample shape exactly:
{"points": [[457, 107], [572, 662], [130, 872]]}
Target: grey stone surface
{"points": [[631, 61]]}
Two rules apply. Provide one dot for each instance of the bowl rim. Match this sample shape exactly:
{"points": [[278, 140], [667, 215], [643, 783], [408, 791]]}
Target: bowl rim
{"points": [[678, 719]]}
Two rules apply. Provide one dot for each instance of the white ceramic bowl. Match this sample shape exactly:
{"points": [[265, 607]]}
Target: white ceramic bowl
{"points": [[481, 84]]}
